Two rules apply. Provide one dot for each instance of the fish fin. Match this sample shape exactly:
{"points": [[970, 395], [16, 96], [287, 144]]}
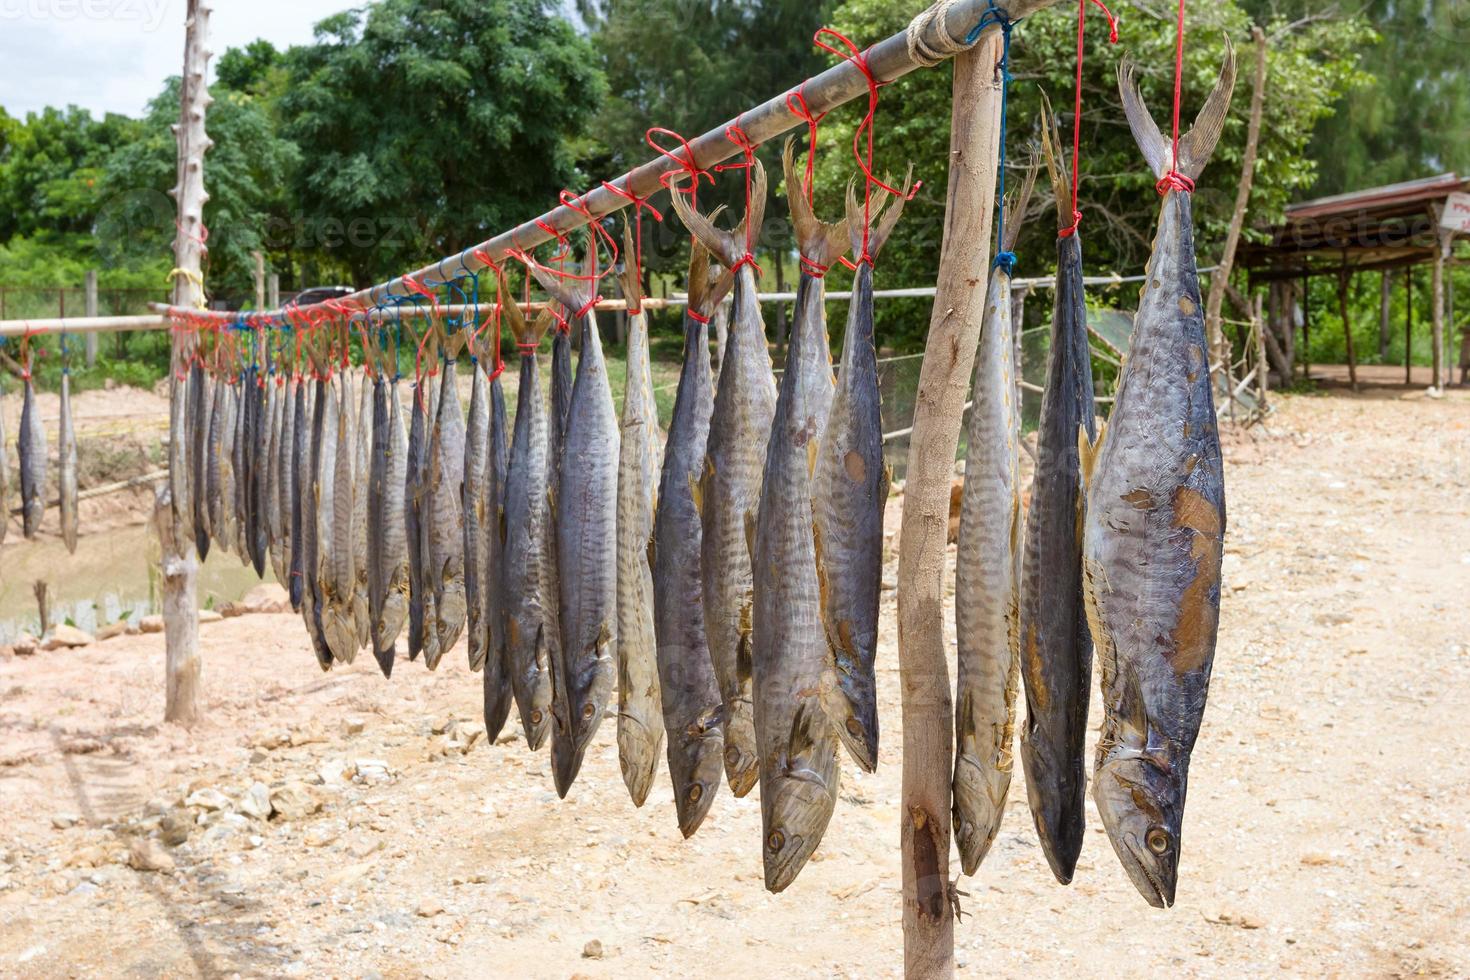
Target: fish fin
{"points": [[744, 648], [500, 524], [1015, 206], [806, 726], [696, 494], [651, 550], [1088, 449], [821, 242], [750, 534], [882, 215], [1196, 145], [525, 334], [811, 456]]}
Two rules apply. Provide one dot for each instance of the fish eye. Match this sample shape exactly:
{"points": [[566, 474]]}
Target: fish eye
{"points": [[854, 726], [695, 792], [536, 716], [776, 841], [732, 754], [1158, 840], [588, 710]]}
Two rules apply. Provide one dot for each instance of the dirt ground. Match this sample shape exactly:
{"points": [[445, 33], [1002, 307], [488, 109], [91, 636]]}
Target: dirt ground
{"points": [[1327, 831]]}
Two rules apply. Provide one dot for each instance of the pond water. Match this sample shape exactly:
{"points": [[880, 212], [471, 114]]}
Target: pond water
{"points": [[113, 576]]}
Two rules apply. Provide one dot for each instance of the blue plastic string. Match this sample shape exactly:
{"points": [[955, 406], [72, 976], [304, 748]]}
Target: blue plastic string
{"points": [[1004, 260]]}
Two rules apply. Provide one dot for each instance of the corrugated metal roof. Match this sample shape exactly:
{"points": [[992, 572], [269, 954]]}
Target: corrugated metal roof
{"points": [[1389, 195]]}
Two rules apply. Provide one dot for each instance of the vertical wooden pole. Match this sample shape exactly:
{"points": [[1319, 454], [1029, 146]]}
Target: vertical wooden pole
{"points": [[1221, 276], [1262, 371], [259, 280], [1409, 325], [1441, 367], [180, 564], [1306, 328], [1385, 312], [91, 303], [944, 379], [1343, 277], [273, 291]]}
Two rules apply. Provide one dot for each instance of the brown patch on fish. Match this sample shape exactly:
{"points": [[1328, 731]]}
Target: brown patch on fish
{"points": [[1140, 498], [1194, 630], [1186, 306], [857, 469], [1036, 675]]}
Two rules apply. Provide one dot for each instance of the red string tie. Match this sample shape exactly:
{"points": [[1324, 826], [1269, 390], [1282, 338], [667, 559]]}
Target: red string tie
{"points": [[747, 147], [1174, 180], [697, 317], [667, 179], [796, 103], [1077, 106]]}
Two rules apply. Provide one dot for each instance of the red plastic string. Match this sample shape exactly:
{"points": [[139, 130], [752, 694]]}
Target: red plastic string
{"points": [[1174, 180], [796, 103], [864, 132], [639, 203], [1077, 107], [686, 164], [813, 269], [737, 135], [696, 316]]}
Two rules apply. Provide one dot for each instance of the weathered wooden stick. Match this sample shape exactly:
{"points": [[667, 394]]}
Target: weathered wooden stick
{"points": [[180, 564], [1343, 278], [1242, 197], [944, 380]]}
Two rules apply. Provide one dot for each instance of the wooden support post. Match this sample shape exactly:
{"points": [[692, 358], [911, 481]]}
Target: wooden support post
{"points": [[273, 291], [91, 301], [1343, 278], [1409, 326], [1385, 312], [1306, 328], [1262, 371], [1221, 275], [259, 280], [1441, 252], [944, 380], [180, 564]]}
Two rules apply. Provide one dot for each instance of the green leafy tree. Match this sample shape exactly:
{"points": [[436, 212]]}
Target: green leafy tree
{"points": [[427, 125], [1310, 66], [50, 166]]}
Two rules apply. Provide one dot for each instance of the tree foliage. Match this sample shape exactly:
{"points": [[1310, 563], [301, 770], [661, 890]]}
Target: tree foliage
{"points": [[431, 124]]}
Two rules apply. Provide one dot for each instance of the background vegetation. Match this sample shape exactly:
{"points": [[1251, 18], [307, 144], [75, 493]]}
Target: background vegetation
{"points": [[413, 128]]}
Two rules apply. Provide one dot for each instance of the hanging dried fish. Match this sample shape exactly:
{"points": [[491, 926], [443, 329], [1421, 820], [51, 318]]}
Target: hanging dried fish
{"points": [[66, 478], [640, 722], [745, 402], [446, 553], [31, 444], [524, 526], [987, 570], [1154, 539], [499, 696], [689, 693]]}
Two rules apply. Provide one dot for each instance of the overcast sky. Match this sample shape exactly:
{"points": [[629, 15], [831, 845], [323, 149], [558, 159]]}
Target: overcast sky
{"points": [[113, 55]]}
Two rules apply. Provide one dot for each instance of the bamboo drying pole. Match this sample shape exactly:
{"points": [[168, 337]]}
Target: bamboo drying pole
{"points": [[180, 563], [944, 380]]}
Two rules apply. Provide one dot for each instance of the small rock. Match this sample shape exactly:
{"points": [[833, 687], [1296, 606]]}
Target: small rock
{"points": [[268, 597], [84, 889], [150, 624], [254, 841], [209, 616], [149, 855], [353, 726], [294, 801], [87, 857], [208, 799], [256, 802], [113, 630], [349, 875], [257, 756], [176, 826], [25, 645], [429, 908], [336, 772], [64, 821], [1313, 860], [593, 950]]}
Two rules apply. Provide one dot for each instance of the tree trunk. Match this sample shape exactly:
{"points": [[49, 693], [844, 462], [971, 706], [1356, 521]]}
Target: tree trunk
{"points": [[1221, 275], [180, 602], [944, 379], [1408, 326], [1306, 328], [1263, 382], [1385, 312], [1343, 278]]}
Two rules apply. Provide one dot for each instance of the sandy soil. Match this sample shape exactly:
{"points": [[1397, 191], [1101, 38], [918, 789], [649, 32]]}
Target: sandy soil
{"points": [[1326, 835]]}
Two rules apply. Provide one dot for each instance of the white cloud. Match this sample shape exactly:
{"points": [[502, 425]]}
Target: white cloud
{"points": [[113, 55]]}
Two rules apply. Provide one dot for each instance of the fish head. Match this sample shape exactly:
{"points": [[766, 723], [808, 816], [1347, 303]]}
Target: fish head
{"points": [[979, 798], [1140, 798], [699, 768], [797, 814]]}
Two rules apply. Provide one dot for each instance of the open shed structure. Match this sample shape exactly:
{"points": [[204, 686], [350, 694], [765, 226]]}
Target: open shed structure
{"points": [[1381, 229]]}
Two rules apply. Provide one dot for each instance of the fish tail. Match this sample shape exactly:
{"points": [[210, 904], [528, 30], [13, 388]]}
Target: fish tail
{"points": [[527, 334], [1195, 146], [1056, 164], [727, 246], [821, 242], [1015, 206], [870, 226], [572, 293]]}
